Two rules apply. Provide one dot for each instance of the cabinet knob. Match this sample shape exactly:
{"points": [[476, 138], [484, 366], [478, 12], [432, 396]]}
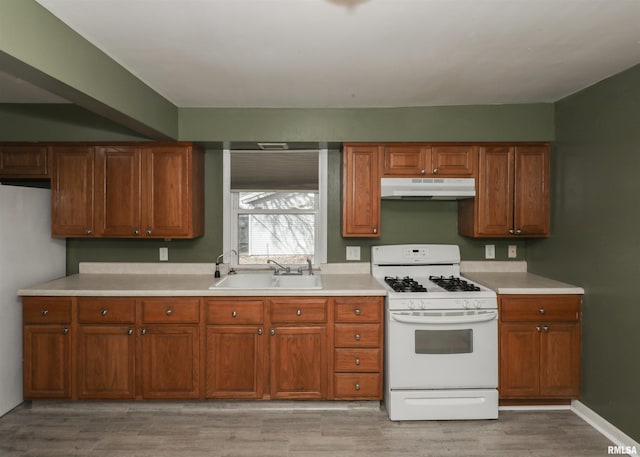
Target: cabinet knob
{"points": [[234, 313], [375, 230], [538, 329], [143, 331], [87, 232], [358, 312], [511, 231], [299, 312], [136, 232], [423, 172], [357, 386], [259, 331], [148, 231], [545, 328], [542, 311], [169, 312], [518, 232], [273, 331], [435, 171], [103, 312], [65, 331], [357, 337], [44, 312], [130, 331], [358, 362]]}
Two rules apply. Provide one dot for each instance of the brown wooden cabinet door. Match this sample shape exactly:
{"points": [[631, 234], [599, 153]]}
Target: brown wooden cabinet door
{"points": [[118, 191], [24, 161], [361, 192], [519, 361], [170, 362], [531, 191], [106, 362], [47, 361], [560, 360], [72, 192], [298, 362], [168, 191], [406, 160], [234, 362], [495, 191], [454, 161]]}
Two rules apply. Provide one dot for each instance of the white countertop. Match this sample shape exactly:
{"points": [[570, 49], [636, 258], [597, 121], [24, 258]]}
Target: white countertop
{"points": [[522, 283], [138, 285]]}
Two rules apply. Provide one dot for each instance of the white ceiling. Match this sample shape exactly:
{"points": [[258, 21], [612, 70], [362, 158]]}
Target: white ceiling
{"points": [[361, 53]]}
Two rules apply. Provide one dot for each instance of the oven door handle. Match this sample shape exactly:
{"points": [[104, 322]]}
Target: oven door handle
{"points": [[445, 319]]}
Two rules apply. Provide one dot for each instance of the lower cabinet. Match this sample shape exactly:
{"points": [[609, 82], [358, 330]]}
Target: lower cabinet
{"points": [[192, 347], [539, 347]]}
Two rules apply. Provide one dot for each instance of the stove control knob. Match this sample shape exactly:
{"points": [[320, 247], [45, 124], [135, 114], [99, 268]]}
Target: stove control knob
{"points": [[477, 303], [466, 304], [424, 304]]}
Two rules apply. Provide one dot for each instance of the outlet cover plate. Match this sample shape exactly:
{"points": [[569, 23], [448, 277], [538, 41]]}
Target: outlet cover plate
{"points": [[353, 252], [164, 254], [512, 252], [489, 251]]}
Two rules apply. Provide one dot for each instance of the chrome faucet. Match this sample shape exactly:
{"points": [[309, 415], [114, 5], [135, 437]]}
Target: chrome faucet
{"points": [[216, 274], [287, 270], [310, 266]]}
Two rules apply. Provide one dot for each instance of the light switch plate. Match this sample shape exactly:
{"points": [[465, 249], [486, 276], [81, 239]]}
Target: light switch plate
{"points": [[353, 252], [512, 253], [164, 254], [489, 251]]}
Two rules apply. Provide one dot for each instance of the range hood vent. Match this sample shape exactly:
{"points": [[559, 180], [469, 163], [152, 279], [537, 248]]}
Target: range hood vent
{"points": [[428, 188]]}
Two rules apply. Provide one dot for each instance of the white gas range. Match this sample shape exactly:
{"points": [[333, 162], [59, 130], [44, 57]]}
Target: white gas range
{"points": [[441, 335]]}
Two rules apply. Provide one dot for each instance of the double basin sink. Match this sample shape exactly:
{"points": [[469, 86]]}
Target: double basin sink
{"points": [[268, 281]]}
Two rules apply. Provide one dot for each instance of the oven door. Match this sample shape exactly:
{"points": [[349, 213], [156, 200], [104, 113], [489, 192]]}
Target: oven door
{"points": [[442, 349]]}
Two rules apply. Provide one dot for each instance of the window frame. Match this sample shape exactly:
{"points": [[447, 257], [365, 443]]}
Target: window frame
{"points": [[230, 220]]}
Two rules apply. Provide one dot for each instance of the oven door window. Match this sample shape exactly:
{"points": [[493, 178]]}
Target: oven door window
{"points": [[444, 341]]}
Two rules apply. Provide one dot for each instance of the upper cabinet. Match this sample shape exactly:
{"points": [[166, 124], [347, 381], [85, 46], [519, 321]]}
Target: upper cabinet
{"points": [[512, 197], [128, 191], [361, 191], [429, 160], [24, 161]]}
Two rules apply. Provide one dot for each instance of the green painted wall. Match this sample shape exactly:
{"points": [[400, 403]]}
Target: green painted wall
{"points": [[595, 240]]}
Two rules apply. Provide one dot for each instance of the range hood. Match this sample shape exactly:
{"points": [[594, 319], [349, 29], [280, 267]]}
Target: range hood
{"points": [[428, 188]]}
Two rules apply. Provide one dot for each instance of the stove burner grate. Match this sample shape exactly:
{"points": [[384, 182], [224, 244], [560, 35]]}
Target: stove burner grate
{"points": [[405, 284], [454, 284]]}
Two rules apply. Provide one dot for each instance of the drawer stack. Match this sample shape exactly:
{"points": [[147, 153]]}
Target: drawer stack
{"points": [[358, 348]]}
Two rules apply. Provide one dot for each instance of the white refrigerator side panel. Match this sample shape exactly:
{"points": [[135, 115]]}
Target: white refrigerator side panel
{"points": [[28, 255]]}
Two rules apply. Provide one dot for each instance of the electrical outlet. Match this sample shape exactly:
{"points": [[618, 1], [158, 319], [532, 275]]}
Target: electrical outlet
{"points": [[164, 254], [353, 252], [489, 251], [513, 251]]}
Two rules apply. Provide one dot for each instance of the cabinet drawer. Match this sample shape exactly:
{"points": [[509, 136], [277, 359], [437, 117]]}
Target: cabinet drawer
{"points": [[180, 310], [358, 309], [106, 310], [358, 335], [46, 310], [564, 308], [362, 385], [362, 360], [298, 310], [235, 312]]}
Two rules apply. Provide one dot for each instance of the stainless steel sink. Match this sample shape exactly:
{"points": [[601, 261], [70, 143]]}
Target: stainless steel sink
{"points": [[270, 281]]}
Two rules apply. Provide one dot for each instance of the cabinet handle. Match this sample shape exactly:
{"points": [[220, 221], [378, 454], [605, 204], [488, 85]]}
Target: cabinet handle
{"points": [[143, 331], [435, 171], [375, 230], [104, 312], [299, 312], [148, 231], [169, 312], [87, 232], [545, 328], [130, 331], [259, 331], [44, 312], [358, 312], [357, 337], [136, 232], [273, 331], [538, 329], [234, 313], [358, 362], [542, 311], [65, 331], [357, 386]]}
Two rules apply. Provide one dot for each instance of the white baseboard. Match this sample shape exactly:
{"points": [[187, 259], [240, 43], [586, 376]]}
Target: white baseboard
{"points": [[612, 433]]}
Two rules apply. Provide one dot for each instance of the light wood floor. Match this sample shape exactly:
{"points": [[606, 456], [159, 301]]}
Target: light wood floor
{"points": [[147, 429]]}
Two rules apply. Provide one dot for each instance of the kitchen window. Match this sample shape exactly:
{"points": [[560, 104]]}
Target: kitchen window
{"points": [[275, 207]]}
